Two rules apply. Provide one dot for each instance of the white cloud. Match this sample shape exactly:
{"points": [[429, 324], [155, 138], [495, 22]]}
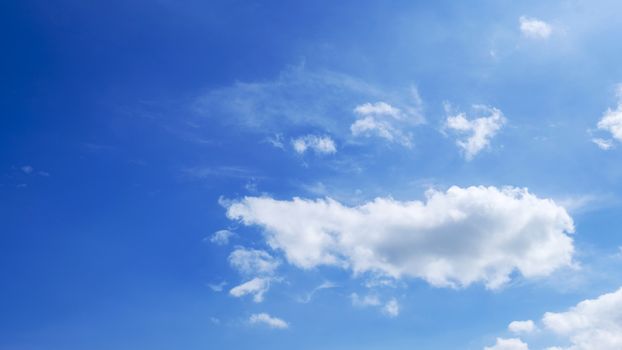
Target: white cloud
{"points": [[267, 320], [391, 308], [256, 287], [386, 121], [611, 121], [508, 344], [603, 144], [591, 324], [253, 261], [453, 239], [479, 131], [319, 144], [378, 108], [535, 28], [221, 237], [522, 326]]}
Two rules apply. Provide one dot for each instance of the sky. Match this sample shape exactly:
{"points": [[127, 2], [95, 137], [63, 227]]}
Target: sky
{"points": [[311, 175]]}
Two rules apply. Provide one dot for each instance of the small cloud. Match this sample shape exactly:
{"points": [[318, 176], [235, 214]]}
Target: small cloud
{"points": [[221, 237], [535, 28], [319, 144], [256, 287], [27, 169], [611, 121], [383, 120], [253, 262], [267, 320], [276, 141], [368, 300], [479, 132], [603, 144], [214, 320], [391, 308], [522, 327], [218, 287]]}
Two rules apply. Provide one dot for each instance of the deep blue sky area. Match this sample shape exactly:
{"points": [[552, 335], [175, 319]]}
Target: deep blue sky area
{"points": [[310, 175]]}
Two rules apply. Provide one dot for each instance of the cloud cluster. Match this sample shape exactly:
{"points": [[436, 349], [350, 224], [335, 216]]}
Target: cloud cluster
{"points": [[591, 324], [257, 264], [477, 132], [319, 144], [452, 239], [390, 308]]}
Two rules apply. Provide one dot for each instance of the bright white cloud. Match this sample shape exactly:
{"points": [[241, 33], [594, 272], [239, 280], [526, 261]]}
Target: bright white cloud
{"points": [[453, 239], [508, 344], [535, 28], [256, 287], [522, 326], [267, 320], [253, 261], [319, 144], [221, 237], [591, 324], [386, 121], [478, 131]]}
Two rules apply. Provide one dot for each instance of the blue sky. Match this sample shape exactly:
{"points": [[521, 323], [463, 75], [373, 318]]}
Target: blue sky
{"points": [[311, 175]]}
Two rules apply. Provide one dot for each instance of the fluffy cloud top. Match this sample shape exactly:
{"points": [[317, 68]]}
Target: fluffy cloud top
{"points": [[453, 239], [319, 144], [535, 28], [591, 324], [522, 326], [508, 344], [270, 321], [478, 131]]}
